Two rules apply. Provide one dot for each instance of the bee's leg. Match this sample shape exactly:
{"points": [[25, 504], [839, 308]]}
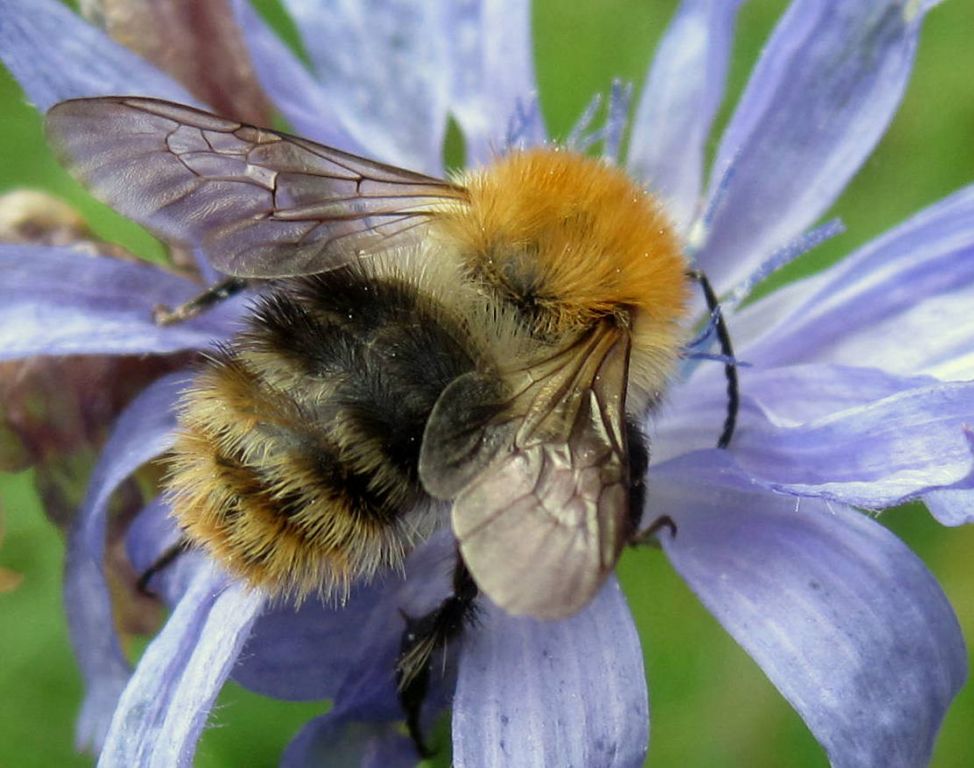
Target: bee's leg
{"points": [[163, 315], [650, 534], [425, 635], [727, 350], [638, 451], [162, 562]]}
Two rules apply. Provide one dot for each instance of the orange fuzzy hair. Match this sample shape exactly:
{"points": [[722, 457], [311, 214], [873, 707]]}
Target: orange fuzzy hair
{"points": [[590, 240]]}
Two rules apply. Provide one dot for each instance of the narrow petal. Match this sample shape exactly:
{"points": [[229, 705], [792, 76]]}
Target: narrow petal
{"points": [[293, 653], [307, 653], [165, 705], [684, 88], [877, 455], [150, 536], [143, 432], [849, 625], [771, 399], [343, 652], [291, 86], [338, 742], [490, 52], [347, 653], [955, 507], [901, 303], [856, 435], [382, 67], [820, 97], [56, 55], [572, 692], [368, 691], [58, 301]]}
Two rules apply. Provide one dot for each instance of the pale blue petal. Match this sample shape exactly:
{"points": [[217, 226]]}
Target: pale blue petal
{"points": [[820, 97], [570, 692], [368, 691], [289, 84], [684, 88], [143, 431], [342, 652], [783, 397], [60, 301], [150, 536], [901, 303], [954, 507], [860, 436], [165, 706], [56, 55], [335, 741], [875, 456], [307, 653], [384, 70], [849, 625], [490, 53]]}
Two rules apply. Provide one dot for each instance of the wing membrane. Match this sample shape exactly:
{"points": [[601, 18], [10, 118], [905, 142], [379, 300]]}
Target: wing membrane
{"points": [[543, 519], [259, 202]]}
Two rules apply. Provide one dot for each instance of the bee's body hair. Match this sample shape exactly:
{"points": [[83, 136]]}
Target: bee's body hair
{"points": [[311, 422]]}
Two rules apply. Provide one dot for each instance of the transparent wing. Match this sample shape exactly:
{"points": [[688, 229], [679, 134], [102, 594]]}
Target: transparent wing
{"points": [[539, 470], [260, 203]]}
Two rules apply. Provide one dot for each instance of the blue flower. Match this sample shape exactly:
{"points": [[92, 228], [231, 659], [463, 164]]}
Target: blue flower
{"points": [[857, 393]]}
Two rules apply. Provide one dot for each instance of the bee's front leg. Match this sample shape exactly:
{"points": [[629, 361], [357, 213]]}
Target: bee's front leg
{"points": [[163, 315]]}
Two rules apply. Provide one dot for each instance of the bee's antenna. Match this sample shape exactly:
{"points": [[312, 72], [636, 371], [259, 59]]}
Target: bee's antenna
{"points": [[727, 350]]}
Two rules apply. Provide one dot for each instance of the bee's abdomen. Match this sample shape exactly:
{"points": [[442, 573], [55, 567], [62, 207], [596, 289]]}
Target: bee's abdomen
{"points": [[297, 461]]}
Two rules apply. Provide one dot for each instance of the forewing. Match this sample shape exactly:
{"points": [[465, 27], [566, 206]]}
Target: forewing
{"points": [[541, 527], [260, 203]]}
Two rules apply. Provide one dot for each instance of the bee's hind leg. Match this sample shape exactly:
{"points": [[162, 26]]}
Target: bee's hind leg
{"points": [[425, 635], [163, 315]]}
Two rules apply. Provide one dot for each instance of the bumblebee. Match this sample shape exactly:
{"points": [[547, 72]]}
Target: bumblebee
{"points": [[479, 350]]}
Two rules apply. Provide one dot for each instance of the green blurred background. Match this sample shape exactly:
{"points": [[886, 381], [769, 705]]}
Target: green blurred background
{"points": [[711, 705]]}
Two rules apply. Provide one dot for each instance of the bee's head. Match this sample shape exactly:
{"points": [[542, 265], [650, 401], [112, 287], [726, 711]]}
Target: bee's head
{"points": [[568, 240]]}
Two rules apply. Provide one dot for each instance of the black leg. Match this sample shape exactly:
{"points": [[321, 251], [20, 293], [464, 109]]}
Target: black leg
{"points": [[652, 532], [163, 315], [162, 562], [730, 368], [424, 636]]}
